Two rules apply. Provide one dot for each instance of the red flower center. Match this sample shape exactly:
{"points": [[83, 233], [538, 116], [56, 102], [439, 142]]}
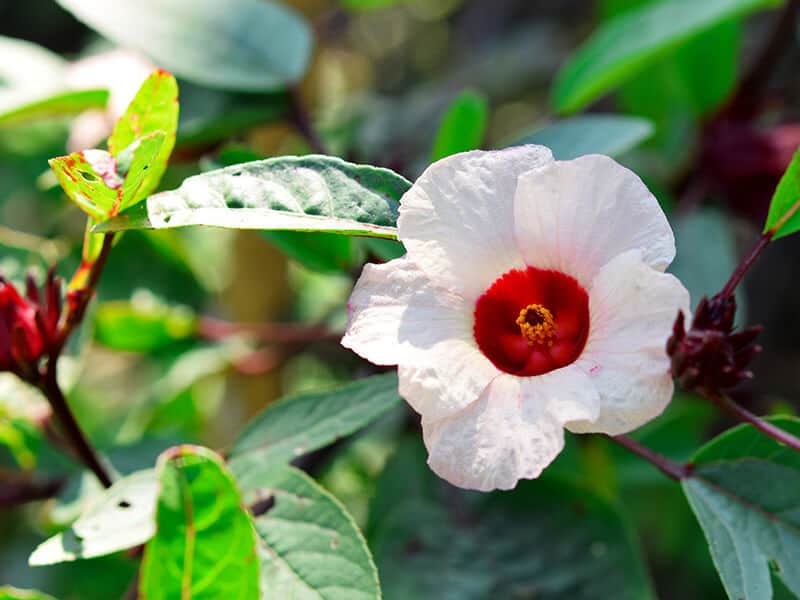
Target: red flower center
{"points": [[533, 321]]}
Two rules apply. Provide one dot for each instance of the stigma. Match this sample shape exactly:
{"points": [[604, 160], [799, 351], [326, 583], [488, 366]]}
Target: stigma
{"points": [[537, 325]]}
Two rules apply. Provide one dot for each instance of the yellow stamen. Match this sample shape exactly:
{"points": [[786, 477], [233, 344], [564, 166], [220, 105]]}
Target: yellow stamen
{"points": [[537, 324]]}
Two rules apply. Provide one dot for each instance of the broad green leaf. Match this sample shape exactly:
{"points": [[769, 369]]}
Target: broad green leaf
{"points": [[590, 134], [142, 326], [628, 44], [299, 424], [544, 540], [121, 517], [246, 45], [60, 104], [307, 193], [745, 491], [90, 178], [153, 109], [205, 545], [784, 202], [463, 125], [10, 593], [310, 546]]}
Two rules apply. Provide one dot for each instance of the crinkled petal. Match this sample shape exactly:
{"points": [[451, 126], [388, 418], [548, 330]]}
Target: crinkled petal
{"points": [[397, 316], [512, 432], [632, 308], [575, 216], [457, 221]]}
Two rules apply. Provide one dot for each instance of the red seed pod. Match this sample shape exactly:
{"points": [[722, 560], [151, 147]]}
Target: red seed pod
{"points": [[709, 356]]}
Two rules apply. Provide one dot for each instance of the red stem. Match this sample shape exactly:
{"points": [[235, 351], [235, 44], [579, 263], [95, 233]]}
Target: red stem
{"points": [[744, 415], [744, 265], [670, 468]]}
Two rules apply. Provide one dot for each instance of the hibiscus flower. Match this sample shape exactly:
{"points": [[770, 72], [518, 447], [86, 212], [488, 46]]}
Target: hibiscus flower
{"points": [[532, 299]]}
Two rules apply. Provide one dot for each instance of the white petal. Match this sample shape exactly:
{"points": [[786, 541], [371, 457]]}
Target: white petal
{"points": [[398, 317], [575, 216], [632, 308], [512, 432], [457, 221]]}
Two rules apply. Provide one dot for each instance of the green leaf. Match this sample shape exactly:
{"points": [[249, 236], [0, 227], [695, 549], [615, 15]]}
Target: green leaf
{"points": [[463, 125], [121, 517], [153, 109], [544, 540], [745, 491], [590, 134], [60, 104], [308, 193], [10, 593], [142, 326], [91, 180], [246, 45], [325, 252], [311, 548], [628, 44], [782, 217], [205, 546], [299, 424]]}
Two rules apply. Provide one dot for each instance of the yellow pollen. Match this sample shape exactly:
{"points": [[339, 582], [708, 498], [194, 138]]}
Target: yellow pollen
{"points": [[537, 324]]}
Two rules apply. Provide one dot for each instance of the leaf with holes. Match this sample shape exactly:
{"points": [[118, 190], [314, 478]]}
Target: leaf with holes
{"points": [[122, 517], [153, 109], [628, 44], [310, 546], [92, 178], [205, 545], [590, 134], [244, 45], [306, 193], [745, 491], [300, 424], [784, 216]]}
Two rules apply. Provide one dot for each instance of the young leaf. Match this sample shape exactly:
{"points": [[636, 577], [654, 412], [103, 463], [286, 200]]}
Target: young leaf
{"points": [[545, 539], [245, 45], [311, 548], [745, 491], [300, 424], [463, 125], [83, 184], [205, 546], [784, 218], [590, 134], [122, 517], [153, 109], [628, 44], [306, 193]]}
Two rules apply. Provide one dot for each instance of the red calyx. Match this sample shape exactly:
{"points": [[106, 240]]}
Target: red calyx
{"points": [[710, 356], [28, 324], [498, 334]]}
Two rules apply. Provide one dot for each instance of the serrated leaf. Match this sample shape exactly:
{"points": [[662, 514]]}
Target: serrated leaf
{"points": [[307, 193], [628, 44], [246, 45], [785, 201], [546, 540], [299, 424], [463, 125], [311, 548], [153, 109], [205, 545], [590, 134], [121, 517], [745, 491]]}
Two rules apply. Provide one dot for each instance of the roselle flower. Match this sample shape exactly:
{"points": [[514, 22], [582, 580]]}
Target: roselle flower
{"points": [[710, 357], [532, 299], [28, 324]]}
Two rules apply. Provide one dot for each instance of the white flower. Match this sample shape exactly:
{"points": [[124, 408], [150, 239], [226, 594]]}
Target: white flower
{"points": [[532, 298]]}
